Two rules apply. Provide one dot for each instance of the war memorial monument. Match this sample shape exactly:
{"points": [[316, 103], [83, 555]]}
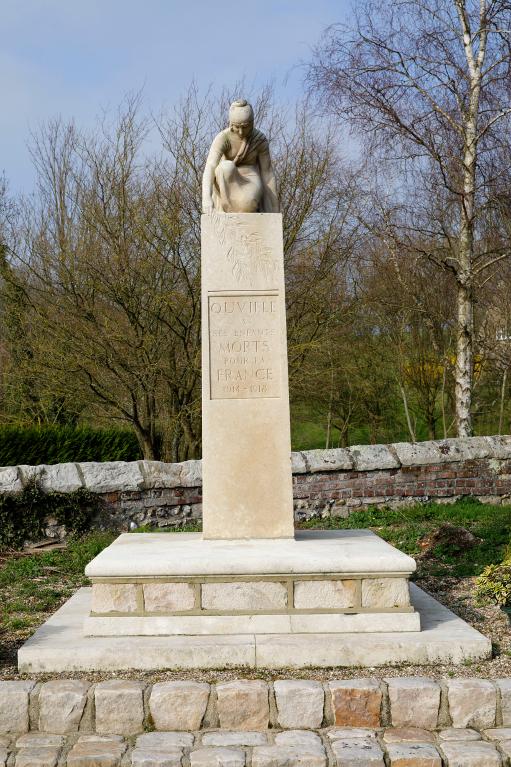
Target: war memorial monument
{"points": [[248, 591]]}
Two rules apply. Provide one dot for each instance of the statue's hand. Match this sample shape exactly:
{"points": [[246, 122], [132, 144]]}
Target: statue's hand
{"points": [[207, 206]]}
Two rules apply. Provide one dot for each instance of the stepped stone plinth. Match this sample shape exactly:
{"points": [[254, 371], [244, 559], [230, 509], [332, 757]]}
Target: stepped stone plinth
{"points": [[320, 581]]}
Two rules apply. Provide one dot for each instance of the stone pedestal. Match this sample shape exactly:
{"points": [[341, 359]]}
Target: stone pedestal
{"points": [[246, 465], [322, 581]]}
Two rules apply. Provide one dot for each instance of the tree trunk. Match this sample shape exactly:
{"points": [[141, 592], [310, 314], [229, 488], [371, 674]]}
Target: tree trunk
{"points": [[502, 399], [464, 361], [407, 412]]}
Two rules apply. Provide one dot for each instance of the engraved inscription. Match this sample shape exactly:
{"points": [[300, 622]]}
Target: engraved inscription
{"points": [[244, 249], [244, 346]]}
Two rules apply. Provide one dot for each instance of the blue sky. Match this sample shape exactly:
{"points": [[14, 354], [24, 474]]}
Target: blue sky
{"points": [[74, 58]]}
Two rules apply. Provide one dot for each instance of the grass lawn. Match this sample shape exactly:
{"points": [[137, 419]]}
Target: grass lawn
{"points": [[405, 528], [32, 586]]}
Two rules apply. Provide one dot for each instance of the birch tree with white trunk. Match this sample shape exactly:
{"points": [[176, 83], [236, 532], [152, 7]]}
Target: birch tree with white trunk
{"points": [[426, 85]]}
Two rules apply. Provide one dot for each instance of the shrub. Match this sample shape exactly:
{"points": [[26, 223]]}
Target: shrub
{"points": [[59, 444], [494, 584], [22, 515]]}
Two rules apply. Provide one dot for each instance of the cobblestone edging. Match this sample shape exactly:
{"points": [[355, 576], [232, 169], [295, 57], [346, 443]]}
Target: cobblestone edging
{"points": [[401, 722], [325, 482]]}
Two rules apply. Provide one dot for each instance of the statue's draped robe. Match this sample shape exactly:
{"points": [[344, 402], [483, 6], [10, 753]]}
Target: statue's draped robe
{"points": [[238, 185]]}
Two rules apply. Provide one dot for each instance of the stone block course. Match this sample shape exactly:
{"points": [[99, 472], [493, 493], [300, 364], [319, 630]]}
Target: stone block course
{"points": [[356, 703], [324, 594], [240, 738], [248, 595], [163, 741], [61, 705], [338, 459], [111, 477], [454, 734], [309, 741], [413, 755], [168, 597], [347, 733], [472, 702], [217, 757], [498, 733], [471, 754], [178, 705], [144, 758], [365, 713], [385, 592], [10, 480], [299, 703], [414, 702], [504, 687], [408, 735], [114, 597], [40, 756], [119, 706], [14, 706], [373, 457], [96, 751], [243, 705], [358, 753], [505, 749], [158, 474]]}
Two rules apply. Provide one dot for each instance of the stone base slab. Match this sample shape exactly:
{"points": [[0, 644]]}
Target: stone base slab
{"points": [[61, 646], [253, 624]]}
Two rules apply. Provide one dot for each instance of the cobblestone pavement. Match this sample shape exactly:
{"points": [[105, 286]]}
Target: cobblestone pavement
{"points": [[330, 747]]}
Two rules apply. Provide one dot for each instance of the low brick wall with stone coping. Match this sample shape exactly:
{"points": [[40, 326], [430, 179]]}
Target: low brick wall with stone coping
{"points": [[401, 722], [326, 482]]}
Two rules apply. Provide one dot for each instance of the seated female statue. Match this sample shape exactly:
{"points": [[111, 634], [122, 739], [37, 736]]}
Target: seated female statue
{"points": [[238, 177]]}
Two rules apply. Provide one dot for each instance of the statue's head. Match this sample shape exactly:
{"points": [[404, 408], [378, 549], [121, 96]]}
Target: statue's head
{"points": [[241, 118]]}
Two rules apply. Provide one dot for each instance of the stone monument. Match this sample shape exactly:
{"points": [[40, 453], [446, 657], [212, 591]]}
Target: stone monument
{"points": [[246, 467], [247, 572], [248, 591]]}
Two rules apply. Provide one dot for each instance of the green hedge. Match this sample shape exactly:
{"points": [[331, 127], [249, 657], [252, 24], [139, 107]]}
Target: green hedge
{"points": [[22, 515], [59, 444]]}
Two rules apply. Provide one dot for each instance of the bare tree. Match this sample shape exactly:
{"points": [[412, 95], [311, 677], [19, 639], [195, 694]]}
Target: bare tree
{"points": [[426, 85], [106, 260]]}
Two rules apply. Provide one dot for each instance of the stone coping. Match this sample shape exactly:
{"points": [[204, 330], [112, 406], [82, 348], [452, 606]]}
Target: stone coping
{"points": [[118, 476], [311, 551]]}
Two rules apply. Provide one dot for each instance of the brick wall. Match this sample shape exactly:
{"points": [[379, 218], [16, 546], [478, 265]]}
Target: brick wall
{"points": [[326, 482]]}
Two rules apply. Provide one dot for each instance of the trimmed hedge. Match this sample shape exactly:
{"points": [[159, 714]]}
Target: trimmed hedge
{"points": [[60, 444]]}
